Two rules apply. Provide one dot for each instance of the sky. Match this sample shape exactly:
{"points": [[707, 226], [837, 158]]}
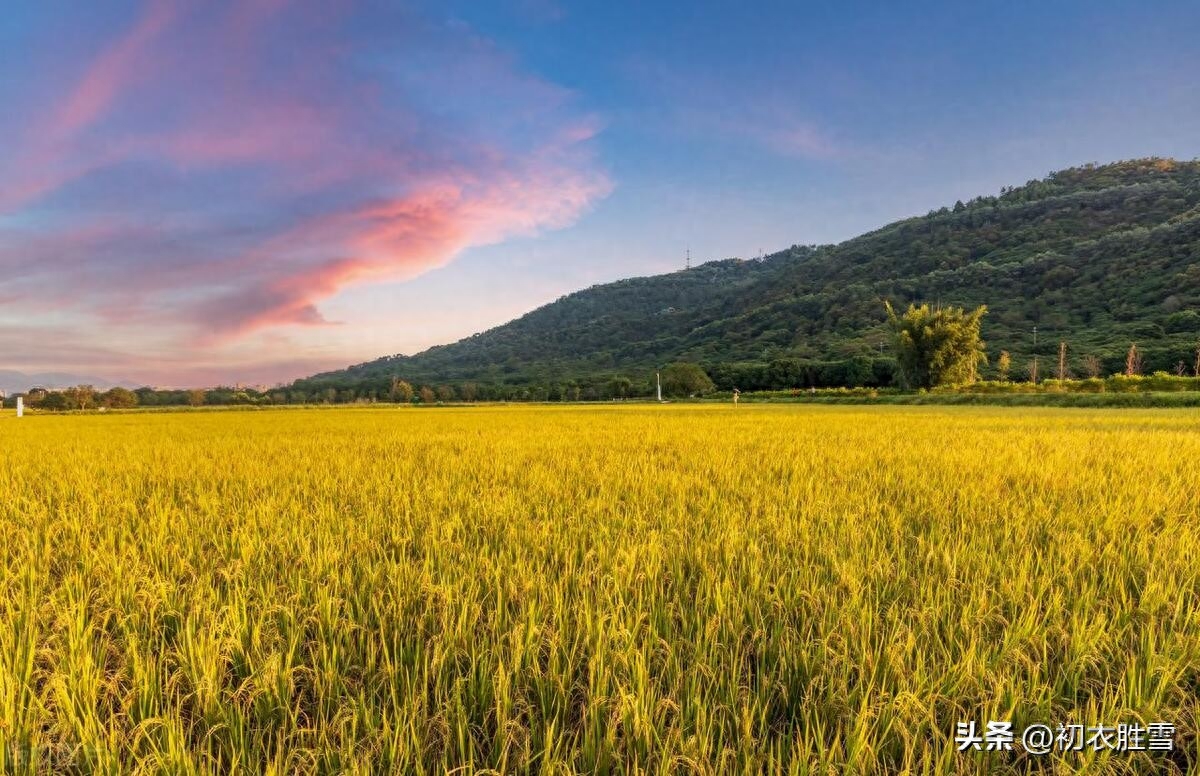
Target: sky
{"points": [[203, 192]]}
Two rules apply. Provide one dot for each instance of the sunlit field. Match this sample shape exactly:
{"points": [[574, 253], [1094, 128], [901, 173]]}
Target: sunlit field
{"points": [[678, 589]]}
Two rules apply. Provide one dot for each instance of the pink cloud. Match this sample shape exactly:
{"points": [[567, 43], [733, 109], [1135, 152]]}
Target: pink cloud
{"points": [[110, 74], [45, 164], [220, 169], [396, 239]]}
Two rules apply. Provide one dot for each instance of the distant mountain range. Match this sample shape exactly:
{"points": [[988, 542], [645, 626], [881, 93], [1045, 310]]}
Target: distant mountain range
{"points": [[12, 381], [1097, 256]]}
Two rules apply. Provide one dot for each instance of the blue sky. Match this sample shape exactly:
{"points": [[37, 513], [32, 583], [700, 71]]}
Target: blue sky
{"points": [[251, 191]]}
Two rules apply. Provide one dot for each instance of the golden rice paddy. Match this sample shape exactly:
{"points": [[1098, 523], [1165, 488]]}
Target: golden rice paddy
{"points": [[679, 589]]}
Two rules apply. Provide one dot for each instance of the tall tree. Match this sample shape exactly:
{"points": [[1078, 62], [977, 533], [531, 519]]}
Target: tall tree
{"points": [[1003, 366], [937, 346], [1133, 361]]}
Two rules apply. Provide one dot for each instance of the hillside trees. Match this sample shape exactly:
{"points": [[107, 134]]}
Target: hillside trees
{"points": [[1100, 255], [937, 346]]}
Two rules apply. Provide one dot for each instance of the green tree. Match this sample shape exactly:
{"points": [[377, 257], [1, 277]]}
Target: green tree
{"points": [[620, 387], [119, 398], [55, 401], [683, 379], [937, 346]]}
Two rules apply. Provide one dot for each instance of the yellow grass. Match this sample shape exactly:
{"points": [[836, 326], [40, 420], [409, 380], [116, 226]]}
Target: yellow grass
{"points": [[659, 589]]}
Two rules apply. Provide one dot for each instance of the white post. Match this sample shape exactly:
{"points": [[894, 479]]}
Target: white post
{"points": [[658, 381], [20, 406]]}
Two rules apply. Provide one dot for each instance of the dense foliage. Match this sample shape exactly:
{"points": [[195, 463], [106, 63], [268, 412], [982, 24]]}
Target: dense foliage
{"points": [[1098, 256], [682, 379], [937, 346]]}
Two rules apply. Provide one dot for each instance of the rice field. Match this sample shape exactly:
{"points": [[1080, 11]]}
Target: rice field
{"points": [[634, 589]]}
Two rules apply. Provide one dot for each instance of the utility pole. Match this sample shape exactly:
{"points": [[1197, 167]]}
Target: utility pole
{"points": [[658, 382], [688, 261]]}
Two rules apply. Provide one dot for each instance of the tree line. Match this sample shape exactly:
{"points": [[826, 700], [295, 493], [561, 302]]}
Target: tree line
{"points": [[932, 346]]}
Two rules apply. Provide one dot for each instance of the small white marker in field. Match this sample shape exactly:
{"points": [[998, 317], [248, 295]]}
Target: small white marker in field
{"points": [[20, 406]]}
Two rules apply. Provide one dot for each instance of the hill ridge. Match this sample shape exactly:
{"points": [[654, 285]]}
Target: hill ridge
{"points": [[1098, 255]]}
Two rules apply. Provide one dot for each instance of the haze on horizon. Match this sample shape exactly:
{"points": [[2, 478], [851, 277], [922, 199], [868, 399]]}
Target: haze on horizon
{"points": [[194, 193]]}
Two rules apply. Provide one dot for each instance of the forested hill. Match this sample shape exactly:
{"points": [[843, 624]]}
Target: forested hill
{"points": [[1098, 256]]}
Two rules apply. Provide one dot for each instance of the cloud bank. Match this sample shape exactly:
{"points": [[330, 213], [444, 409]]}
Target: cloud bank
{"points": [[191, 186]]}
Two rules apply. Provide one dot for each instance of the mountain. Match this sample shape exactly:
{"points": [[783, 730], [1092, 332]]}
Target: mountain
{"points": [[12, 381], [1097, 256]]}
